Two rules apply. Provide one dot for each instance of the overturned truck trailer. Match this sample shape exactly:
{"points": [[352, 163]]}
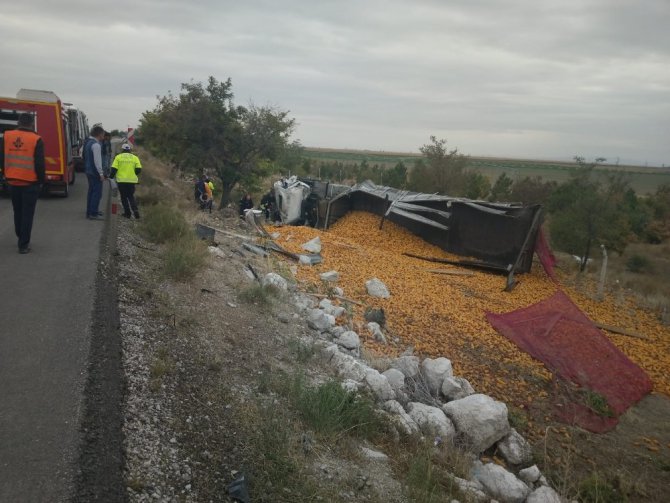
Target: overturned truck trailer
{"points": [[495, 236]]}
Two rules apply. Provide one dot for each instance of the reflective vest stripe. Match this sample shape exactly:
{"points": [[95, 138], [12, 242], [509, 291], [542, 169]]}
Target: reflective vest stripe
{"points": [[20, 157]]}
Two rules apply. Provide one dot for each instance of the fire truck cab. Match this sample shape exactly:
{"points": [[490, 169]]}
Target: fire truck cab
{"points": [[53, 124]]}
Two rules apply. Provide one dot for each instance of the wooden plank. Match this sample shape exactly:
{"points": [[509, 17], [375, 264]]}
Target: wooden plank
{"points": [[345, 299], [621, 331], [450, 272], [464, 263]]}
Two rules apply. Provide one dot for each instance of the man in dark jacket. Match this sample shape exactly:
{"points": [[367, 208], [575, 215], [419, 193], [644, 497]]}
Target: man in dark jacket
{"points": [[22, 166], [246, 204], [93, 167]]}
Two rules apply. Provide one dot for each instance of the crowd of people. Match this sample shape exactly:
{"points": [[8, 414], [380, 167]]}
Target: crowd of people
{"points": [[22, 164]]}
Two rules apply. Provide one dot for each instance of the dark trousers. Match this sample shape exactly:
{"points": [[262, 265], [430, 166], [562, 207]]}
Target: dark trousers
{"points": [[24, 200], [127, 191], [94, 195]]}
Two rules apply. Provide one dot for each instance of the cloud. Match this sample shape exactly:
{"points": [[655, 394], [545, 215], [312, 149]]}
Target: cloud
{"points": [[516, 78]]}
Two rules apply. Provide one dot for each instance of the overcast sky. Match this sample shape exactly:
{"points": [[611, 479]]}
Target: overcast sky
{"points": [[517, 78]]}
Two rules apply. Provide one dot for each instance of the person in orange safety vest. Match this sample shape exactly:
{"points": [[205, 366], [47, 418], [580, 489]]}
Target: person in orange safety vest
{"points": [[22, 165]]}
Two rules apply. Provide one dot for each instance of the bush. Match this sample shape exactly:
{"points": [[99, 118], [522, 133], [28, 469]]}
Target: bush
{"points": [[258, 294], [164, 223], [328, 408], [638, 264], [596, 489], [184, 257], [150, 196]]}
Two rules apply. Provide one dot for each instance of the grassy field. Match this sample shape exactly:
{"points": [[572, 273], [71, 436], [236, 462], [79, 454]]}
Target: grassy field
{"points": [[643, 179]]}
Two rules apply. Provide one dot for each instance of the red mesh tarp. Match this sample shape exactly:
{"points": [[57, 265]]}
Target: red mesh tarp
{"points": [[557, 333], [547, 258]]}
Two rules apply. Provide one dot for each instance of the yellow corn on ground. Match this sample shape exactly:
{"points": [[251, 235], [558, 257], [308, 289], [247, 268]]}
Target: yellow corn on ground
{"points": [[443, 315]]}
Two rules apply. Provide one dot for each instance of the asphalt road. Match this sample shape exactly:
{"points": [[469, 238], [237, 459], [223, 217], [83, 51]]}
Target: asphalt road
{"points": [[46, 304]]}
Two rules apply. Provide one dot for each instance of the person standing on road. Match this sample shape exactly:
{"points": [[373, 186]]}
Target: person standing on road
{"points": [[106, 153], [126, 168], [93, 167], [22, 164]]}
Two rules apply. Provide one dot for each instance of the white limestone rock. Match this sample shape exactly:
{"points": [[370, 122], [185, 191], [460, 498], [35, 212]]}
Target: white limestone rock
{"points": [[479, 419], [331, 276], [544, 494], [455, 388], [337, 330], [346, 366], [395, 378], [376, 288], [431, 420], [373, 455], [472, 488], [274, 279], [379, 385], [515, 449], [404, 422], [313, 246], [319, 320], [530, 475], [434, 372], [303, 302], [338, 291], [376, 331], [408, 365], [501, 484], [349, 340], [216, 251], [350, 385]]}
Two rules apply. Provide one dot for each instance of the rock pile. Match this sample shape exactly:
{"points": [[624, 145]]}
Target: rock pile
{"points": [[425, 397]]}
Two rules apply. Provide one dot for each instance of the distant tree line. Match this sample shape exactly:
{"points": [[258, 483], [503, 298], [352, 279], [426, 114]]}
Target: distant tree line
{"points": [[592, 208]]}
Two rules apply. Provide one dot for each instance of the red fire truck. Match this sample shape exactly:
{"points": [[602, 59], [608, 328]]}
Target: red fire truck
{"points": [[56, 125]]}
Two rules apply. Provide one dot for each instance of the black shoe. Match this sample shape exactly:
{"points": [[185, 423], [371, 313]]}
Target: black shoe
{"points": [[100, 213], [137, 215], [24, 250], [94, 217]]}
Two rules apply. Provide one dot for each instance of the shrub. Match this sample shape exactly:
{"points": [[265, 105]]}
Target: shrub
{"points": [[596, 489], [184, 257], [598, 404], [328, 408], [164, 223], [258, 294], [638, 264], [150, 196]]}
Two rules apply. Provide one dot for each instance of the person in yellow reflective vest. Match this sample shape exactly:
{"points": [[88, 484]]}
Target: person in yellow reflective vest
{"points": [[126, 169]]}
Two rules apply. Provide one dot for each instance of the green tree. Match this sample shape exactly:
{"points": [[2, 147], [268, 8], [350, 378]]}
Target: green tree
{"points": [[532, 190], [201, 129], [477, 186], [441, 170], [396, 176], [502, 188], [587, 212], [658, 229]]}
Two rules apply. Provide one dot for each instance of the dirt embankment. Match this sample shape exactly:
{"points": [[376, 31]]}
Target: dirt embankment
{"points": [[208, 362]]}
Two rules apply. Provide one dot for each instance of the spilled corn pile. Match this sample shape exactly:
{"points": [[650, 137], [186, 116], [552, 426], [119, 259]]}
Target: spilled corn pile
{"points": [[444, 315]]}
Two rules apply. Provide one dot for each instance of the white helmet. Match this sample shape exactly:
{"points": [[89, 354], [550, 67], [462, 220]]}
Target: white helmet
{"points": [[126, 146]]}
